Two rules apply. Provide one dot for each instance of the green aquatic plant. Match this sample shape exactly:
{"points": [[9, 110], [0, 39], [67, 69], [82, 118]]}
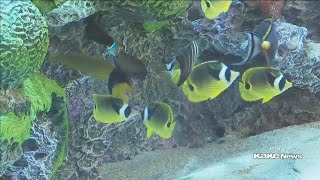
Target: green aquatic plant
{"points": [[44, 6], [15, 128], [62, 151], [153, 26], [38, 90], [165, 8]]}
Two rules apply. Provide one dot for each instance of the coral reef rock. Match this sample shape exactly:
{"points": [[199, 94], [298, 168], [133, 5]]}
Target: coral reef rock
{"points": [[36, 157], [24, 41], [298, 57]]}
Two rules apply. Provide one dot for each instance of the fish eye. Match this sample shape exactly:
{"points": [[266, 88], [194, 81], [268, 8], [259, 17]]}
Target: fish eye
{"points": [[191, 87], [247, 86], [208, 4], [168, 124]]}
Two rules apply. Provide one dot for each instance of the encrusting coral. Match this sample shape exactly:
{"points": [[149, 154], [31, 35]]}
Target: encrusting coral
{"points": [[24, 42]]}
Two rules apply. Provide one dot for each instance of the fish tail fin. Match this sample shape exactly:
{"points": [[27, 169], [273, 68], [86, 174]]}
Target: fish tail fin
{"points": [[149, 133], [267, 99]]}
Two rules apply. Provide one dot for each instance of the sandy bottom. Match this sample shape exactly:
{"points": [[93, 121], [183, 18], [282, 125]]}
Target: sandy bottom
{"points": [[230, 160]]}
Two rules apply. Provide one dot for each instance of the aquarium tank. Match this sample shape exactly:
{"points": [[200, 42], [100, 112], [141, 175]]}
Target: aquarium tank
{"points": [[160, 90]]}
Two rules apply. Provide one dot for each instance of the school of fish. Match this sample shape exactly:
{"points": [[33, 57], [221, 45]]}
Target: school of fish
{"points": [[199, 80]]}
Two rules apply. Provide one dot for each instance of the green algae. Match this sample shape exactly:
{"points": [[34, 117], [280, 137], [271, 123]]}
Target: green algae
{"points": [[38, 89], [15, 128], [154, 25], [62, 151], [165, 8], [44, 6]]}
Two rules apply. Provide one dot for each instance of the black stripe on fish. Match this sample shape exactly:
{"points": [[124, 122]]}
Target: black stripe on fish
{"points": [[186, 59], [282, 83], [254, 49], [116, 105], [151, 109], [213, 72], [127, 112], [228, 74], [271, 78]]}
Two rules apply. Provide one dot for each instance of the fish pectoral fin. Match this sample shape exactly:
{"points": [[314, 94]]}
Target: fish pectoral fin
{"points": [[149, 133]]}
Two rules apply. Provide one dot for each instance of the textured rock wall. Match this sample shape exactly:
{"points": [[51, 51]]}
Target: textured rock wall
{"points": [[93, 144]]}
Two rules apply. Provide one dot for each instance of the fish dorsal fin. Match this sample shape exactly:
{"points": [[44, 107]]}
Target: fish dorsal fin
{"points": [[263, 29], [186, 58]]}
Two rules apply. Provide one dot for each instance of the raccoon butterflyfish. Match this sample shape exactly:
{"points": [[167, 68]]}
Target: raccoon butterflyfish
{"points": [[262, 83], [181, 66], [110, 109], [207, 80], [213, 8], [158, 118]]}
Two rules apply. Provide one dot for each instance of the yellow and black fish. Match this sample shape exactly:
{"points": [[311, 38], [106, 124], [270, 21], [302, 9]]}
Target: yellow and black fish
{"points": [[262, 46], [207, 80], [254, 49], [181, 66], [213, 8], [118, 74], [110, 109], [158, 118], [262, 83], [266, 31]]}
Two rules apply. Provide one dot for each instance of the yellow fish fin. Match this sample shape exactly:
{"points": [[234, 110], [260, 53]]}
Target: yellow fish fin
{"points": [[267, 99], [176, 76], [149, 132], [213, 9]]}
